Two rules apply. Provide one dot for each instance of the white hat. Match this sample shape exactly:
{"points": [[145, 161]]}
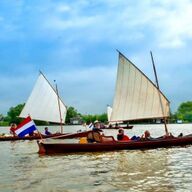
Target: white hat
{"points": [[96, 121]]}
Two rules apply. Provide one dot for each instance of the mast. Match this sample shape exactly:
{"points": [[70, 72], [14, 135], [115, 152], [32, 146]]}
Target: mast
{"points": [[59, 107], [157, 83]]}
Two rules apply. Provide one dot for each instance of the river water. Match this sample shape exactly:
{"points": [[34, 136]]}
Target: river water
{"points": [[22, 169]]}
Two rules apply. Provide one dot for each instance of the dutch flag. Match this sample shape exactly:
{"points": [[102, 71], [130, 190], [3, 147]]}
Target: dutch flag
{"points": [[90, 125], [27, 126]]}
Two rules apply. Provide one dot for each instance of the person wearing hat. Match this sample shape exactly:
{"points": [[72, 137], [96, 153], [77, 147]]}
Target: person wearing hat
{"points": [[95, 135], [96, 126]]}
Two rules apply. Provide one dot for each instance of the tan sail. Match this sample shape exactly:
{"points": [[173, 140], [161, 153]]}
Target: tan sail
{"points": [[43, 103], [136, 97]]}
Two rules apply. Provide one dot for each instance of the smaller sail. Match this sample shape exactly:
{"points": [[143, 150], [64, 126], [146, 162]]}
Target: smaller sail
{"points": [[109, 112], [42, 104]]}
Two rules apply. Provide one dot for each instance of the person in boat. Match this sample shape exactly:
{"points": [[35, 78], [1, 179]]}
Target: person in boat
{"points": [[96, 134], [12, 129], [47, 132], [97, 126], [121, 136], [146, 135]]}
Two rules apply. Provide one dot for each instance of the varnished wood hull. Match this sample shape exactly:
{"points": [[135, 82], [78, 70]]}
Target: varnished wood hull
{"points": [[51, 148], [56, 136], [12, 138]]}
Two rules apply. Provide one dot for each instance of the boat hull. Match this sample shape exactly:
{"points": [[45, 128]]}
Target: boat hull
{"points": [[51, 148], [55, 136], [12, 138], [118, 127]]}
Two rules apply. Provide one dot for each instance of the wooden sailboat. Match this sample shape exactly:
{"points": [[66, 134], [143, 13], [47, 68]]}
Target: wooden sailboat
{"points": [[136, 98], [43, 104]]}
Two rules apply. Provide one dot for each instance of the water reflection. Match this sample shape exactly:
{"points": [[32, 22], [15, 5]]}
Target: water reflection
{"points": [[142, 171]]}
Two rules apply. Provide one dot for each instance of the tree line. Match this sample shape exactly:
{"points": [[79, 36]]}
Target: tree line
{"points": [[183, 113], [13, 116]]}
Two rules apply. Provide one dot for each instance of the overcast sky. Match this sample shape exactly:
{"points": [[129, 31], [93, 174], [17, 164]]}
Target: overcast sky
{"points": [[75, 43]]}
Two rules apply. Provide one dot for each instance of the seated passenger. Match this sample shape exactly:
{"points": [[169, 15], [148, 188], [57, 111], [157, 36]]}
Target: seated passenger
{"points": [[47, 131], [12, 129], [180, 135], [97, 126], [146, 135], [94, 136], [121, 136]]}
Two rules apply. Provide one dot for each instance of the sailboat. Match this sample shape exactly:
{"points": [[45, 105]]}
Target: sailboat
{"points": [[115, 125], [43, 104], [136, 98]]}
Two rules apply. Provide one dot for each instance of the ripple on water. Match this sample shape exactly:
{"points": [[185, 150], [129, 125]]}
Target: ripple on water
{"points": [[22, 169]]}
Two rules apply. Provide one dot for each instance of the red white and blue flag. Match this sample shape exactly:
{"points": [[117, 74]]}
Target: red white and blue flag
{"points": [[27, 126], [91, 125]]}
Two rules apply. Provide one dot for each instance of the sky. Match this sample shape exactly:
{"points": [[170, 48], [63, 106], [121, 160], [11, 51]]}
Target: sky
{"points": [[75, 42]]}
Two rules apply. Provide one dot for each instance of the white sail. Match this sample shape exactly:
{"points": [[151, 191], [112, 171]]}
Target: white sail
{"points": [[43, 103], [136, 97], [109, 112]]}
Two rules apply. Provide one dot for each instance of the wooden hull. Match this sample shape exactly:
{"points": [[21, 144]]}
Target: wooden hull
{"points": [[51, 148], [118, 127], [11, 138], [55, 136]]}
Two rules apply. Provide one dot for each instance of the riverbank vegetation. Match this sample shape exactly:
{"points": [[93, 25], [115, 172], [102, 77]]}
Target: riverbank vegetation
{"points": [[183, 114]]}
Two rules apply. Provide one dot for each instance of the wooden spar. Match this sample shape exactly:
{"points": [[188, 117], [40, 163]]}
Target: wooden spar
{"points": [[157, 83], [59, 108]]}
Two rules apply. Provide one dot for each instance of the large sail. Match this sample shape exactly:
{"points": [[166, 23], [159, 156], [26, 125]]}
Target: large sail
{"points": [[42, 104], [136, 96]]}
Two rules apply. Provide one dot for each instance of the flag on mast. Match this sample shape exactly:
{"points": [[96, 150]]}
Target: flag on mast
{"points": [[27, 126]]}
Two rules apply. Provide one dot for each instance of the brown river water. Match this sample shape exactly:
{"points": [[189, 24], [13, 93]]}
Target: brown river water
{"points": [[22, 169]]}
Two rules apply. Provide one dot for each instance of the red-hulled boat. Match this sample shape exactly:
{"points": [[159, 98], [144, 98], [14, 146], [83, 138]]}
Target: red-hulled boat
{"points": [[136, 98], [15, 138], [110, 144], [55, 136]]}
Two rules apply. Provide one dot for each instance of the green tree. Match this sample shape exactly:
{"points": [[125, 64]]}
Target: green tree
{"points": [[71, 113], [13, 113], [1, 117], [91, 118], [184, 111]]}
